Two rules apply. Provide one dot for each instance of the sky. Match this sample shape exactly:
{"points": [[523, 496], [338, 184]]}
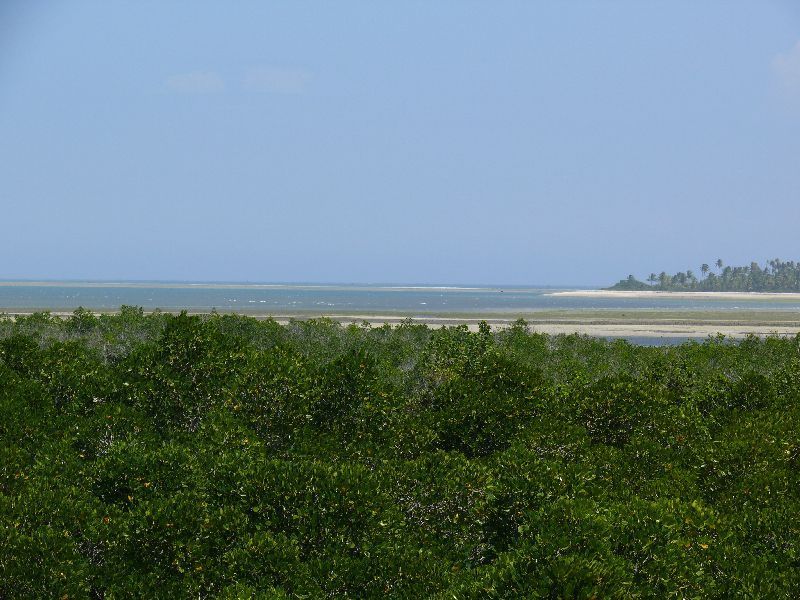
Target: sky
{"points": [[462, 142]]}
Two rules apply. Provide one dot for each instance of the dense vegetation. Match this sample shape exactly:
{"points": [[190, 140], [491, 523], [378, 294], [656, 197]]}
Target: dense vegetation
{"points": [[775, 276], [220, 456]]}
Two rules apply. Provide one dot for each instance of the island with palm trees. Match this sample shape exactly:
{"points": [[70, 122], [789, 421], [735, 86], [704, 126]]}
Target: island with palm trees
{"points": [[775, 276]]}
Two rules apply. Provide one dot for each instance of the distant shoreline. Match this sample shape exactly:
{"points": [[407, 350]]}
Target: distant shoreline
{"points": [[677, 295]]}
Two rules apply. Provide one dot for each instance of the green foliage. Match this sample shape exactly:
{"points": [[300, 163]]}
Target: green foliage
{"points": [[630, 283], [221, 456], [775, 276]]}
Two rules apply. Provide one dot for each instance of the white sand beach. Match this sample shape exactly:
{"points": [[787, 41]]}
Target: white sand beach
{"points": [[678, 295]]}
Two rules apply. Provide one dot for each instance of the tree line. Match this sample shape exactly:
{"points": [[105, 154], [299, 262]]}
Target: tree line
{"points": [[774, 276]]}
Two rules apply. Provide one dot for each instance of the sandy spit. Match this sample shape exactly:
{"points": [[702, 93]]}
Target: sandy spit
{"points": [[678, 295]]}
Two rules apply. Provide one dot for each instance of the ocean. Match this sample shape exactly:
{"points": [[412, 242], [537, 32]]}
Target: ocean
{"points": [[288, 299]]}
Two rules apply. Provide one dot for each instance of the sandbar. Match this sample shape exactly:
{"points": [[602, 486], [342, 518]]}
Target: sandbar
{"points": [[677, 295]]}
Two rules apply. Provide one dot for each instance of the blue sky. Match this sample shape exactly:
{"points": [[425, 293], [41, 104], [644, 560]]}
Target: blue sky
{"points": [[450, 142]]}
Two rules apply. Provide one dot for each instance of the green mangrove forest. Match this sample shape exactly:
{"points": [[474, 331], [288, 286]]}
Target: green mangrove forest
{"points": [[775, 276], [218, 456]]}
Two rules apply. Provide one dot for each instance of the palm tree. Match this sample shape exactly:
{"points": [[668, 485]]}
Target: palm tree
{"points": [[653, 278], [704, 269], [690, 276], [719, 264]]}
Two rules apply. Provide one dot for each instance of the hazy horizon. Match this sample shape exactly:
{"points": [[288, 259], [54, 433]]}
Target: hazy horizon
{"points": [[209, 282], [456, 143]]}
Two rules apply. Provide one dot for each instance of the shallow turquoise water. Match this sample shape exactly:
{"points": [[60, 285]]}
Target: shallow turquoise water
{"points": [[287, 299]]}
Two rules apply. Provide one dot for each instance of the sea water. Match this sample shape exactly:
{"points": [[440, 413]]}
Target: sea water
{"points": [[286, 299]]}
